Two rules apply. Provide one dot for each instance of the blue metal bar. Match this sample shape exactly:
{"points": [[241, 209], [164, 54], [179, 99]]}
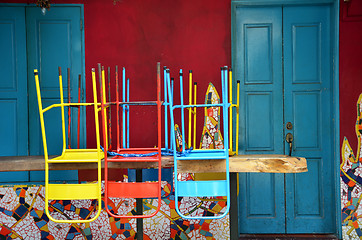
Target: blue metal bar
{"points": [[123, 107], [127, 108], [171, 103], [226, 135], [170, 96], [182, 113], [222, 85], [166, 105], [172, 88]]}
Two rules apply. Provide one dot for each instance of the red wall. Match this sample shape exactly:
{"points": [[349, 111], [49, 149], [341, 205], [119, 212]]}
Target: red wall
{"points": [[135, 34], [191, 35], [350, 68]]}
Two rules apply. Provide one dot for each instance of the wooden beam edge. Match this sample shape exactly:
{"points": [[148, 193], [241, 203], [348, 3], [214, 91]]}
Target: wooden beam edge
{"points": [[240, 163]]}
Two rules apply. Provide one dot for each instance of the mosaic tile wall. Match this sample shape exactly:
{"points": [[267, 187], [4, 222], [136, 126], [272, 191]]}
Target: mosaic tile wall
{"points": [[22, 213], [351, 183], [22, 216]]}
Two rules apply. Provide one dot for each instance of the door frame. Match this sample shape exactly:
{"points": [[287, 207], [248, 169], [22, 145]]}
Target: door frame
{"points": [[83, 130], [335, 85]]}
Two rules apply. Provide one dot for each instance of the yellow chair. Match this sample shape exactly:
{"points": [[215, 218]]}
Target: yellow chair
{"points": [[71, 191]]}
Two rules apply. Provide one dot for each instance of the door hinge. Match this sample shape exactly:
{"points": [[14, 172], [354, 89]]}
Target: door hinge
{"points": [[81, 24]]}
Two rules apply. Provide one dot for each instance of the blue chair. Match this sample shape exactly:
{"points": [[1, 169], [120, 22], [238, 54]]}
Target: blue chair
{"points": [[210, 188]]}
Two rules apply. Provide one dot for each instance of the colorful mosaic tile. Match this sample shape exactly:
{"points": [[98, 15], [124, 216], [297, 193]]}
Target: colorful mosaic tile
{"points": [[22, 216], [351, 183]]}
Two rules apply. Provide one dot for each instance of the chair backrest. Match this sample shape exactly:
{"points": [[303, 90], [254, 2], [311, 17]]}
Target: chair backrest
{"points": [[62, 105], [70, 191], [127, 154], [213, 188]]}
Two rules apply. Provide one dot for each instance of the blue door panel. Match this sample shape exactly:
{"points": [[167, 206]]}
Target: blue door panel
{"points": [[307, 118], [13, 89], [267, 198], [258, 37], [13, 84], [8, 123], [259, 121], [314, 204], [259, 69], [54, 40], [306, 52], [307, 88]]}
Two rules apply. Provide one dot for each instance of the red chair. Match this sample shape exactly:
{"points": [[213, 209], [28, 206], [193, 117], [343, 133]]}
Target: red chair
{"points": [[115, 189]]}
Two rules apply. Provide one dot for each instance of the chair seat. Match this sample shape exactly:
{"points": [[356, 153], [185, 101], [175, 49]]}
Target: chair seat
{"points": [[73, 191], [135, 155], [78, 155], [133, 189], [202, 188], [205, 154]]}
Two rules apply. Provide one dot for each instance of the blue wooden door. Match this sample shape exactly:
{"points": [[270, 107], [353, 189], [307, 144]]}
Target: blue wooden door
{"points": [[13, 83], [31, 40], [53, 40], [308, 106], [13, 89], [282, 57], [259, 67]]}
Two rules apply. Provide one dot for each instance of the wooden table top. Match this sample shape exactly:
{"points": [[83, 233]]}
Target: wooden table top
{"points": [[238, 163]]}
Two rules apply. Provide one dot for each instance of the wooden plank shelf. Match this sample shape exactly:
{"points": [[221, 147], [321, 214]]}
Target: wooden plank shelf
{"points": [[239, 163]]}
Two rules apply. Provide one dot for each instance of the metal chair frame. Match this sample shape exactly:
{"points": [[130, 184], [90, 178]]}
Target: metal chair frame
{"points": [[70, 191], [131, 189], [212, 188]]}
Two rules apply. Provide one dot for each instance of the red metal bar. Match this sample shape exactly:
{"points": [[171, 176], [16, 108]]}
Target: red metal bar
{"points": [[117, 111], [132, 189], [140, 103], [109, 111], [159, 132]]}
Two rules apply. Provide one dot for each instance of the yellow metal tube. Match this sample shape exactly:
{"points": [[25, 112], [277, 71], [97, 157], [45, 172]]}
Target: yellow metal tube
{"points": [[194, 130], [41, 116], [66, 104], [62, 107], [42, 126], [190, 109], [237, 130], [230, 112], [237, 118], [98, 144]]}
